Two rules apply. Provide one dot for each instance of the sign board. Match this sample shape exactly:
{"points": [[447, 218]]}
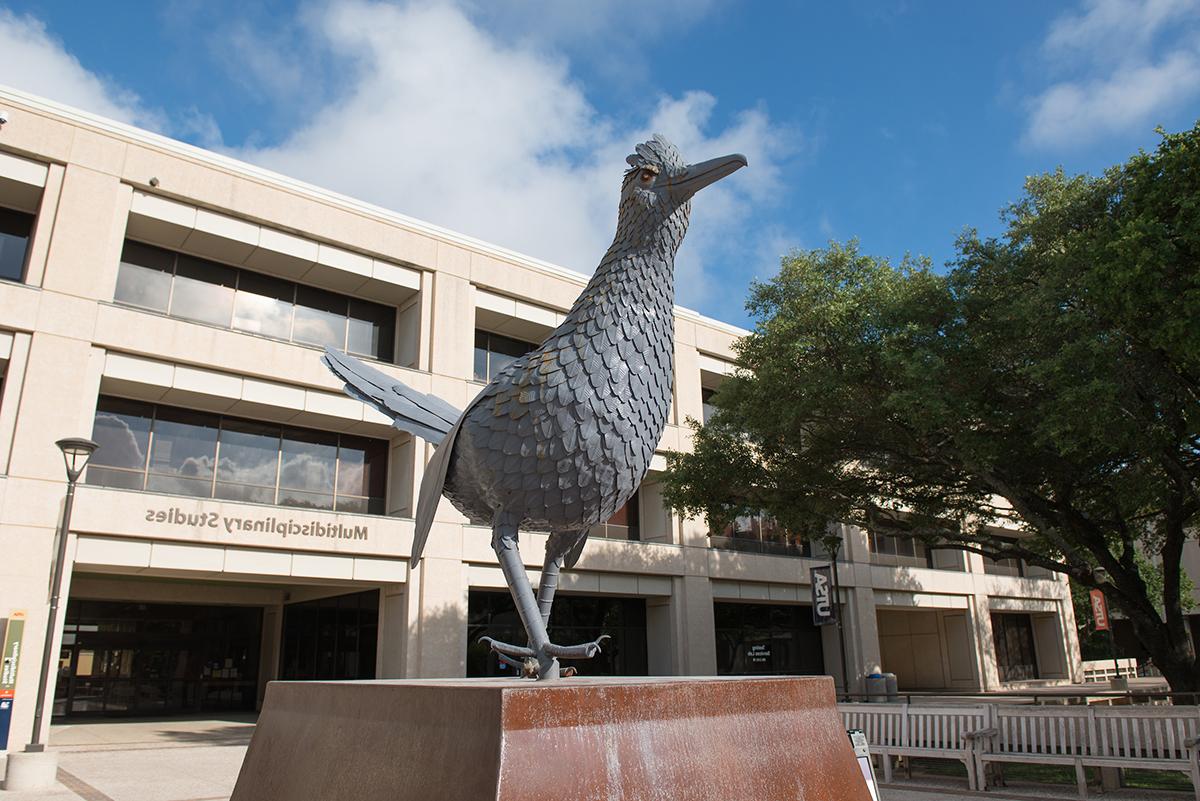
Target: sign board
{"points": [[11, 657], [862, 753], [1099, 610], [824, 610]]}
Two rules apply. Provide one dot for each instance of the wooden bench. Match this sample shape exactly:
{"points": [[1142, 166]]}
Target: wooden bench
{"points": [[918, 730], [1146, 737]]}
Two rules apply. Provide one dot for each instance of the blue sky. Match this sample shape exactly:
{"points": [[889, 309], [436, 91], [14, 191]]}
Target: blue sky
{"points": [[898, 123]]}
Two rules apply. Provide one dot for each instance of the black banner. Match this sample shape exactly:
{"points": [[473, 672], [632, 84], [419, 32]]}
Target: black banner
{"points": [[824, 609]]}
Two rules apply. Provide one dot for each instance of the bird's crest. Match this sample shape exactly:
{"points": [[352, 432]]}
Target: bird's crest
{"points": [[657, 154]]}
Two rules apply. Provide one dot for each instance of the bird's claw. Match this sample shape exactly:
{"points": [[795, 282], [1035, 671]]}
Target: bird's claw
{"points": [[517, 652], [515, 655], [586, 650]]}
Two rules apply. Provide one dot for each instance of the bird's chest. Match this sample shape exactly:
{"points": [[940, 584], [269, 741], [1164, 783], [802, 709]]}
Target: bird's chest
{"points": [[571, 434]]}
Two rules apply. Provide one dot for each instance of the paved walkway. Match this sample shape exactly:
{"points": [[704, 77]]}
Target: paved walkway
{"points": [[198, 760]]}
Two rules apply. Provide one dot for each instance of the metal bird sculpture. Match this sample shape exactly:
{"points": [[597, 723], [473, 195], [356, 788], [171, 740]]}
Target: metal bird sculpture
{"points": [[562, 437]]}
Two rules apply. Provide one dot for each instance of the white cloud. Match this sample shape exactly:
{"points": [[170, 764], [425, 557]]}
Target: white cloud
{"points": [[1105, 29], [1124, 62], [449, 123], [1129, 98], [36, 62], [419, 108]]}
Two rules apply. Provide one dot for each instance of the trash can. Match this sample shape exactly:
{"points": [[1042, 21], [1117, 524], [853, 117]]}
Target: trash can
{"points": [[876, 688], [893, 690]]}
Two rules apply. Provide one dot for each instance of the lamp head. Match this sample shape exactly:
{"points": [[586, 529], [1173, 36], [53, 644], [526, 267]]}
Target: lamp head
{"points": [[76, 452]]}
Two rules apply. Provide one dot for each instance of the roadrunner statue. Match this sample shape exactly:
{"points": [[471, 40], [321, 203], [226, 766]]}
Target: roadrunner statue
{"points": [[562, 436]]}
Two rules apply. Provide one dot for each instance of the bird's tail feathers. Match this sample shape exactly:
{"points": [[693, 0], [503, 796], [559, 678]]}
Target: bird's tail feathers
{"points": [[422, 415]]}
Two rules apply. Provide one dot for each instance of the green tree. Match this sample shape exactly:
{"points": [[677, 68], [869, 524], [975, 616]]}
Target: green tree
{"points": [[1050, 379]]}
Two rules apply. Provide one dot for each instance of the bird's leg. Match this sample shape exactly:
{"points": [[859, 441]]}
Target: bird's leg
{"points": [[548, 585], [557, 549], [504, 542]]}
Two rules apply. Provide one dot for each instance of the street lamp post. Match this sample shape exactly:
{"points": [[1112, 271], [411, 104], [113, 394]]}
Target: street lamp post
{"points": [[833, 566], [76, 452], [1100, 575], [35, 768]]}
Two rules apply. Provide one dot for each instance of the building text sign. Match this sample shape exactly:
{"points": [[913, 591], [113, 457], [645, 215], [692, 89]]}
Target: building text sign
{"points": [[824, 610], [1099, 610], [283, 526]]}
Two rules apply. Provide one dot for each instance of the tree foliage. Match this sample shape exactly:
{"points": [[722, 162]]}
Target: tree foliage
{"points": [[1050, 380]]}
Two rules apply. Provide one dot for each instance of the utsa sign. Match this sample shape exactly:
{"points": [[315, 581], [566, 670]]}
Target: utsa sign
{"points": [[824, 610], [1099, 610]]}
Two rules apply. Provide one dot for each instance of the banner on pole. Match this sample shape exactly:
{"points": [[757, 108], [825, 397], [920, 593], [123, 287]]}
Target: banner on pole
{"points": [[1099, 610], [824, 608], [11, 656]]}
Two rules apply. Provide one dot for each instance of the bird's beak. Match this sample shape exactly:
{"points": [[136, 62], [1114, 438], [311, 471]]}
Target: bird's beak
{"points": [[697, 176]]}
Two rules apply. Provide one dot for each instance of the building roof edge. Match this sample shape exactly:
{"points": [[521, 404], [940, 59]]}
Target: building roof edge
{"points": [[211, 158]]}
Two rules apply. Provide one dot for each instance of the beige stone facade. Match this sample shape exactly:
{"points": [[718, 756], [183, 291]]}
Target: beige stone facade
{"points": [[88, 185]]}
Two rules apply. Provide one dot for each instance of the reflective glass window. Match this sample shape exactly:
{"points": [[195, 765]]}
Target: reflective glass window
{"points": [[372, 330], [307, 467], [203, 291], [183, 452], [15, 229], [196, 289], [206, 455], [263, 305], [144, 278], [122, 430], [248, 463], [494, 352], [320, 318]]}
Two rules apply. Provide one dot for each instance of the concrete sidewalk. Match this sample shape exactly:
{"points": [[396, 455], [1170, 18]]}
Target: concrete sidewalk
{"points": [[198, 760]]}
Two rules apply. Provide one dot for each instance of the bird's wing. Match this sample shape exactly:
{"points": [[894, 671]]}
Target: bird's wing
{"points": [[430, 494], [426, 416]]}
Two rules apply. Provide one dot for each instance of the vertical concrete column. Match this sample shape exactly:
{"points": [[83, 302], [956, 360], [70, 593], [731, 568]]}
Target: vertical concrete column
{"points": [[57, 399], [89, 232], [862, 635], [856, 546], [1066, 611], [452, 326], [393, 632], [985, 640], [688, 400], [436, 608], [693, 644], [272, 639]]}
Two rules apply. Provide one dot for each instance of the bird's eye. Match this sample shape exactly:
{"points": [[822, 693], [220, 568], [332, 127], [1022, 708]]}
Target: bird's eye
{"points": [[647, 176]]}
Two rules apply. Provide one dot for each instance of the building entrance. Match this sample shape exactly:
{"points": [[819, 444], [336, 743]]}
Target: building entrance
{"points": [[137, 659]]}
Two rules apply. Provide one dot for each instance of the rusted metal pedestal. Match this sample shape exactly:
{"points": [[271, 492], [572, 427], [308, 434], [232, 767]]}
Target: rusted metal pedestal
{"points": [[682, 739]]}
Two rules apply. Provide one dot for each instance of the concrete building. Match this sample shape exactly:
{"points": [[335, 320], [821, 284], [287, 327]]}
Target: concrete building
{"points": [[243, 520]]}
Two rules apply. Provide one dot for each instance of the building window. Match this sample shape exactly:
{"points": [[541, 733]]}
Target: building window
{"points": [[707, 407], [621, 526], [574, 619], [889, 549], [494, 352], [1016, 658], [331, 638], [182, 452], [767, 639], [760, 533], [195, 289], [15, 230]]}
